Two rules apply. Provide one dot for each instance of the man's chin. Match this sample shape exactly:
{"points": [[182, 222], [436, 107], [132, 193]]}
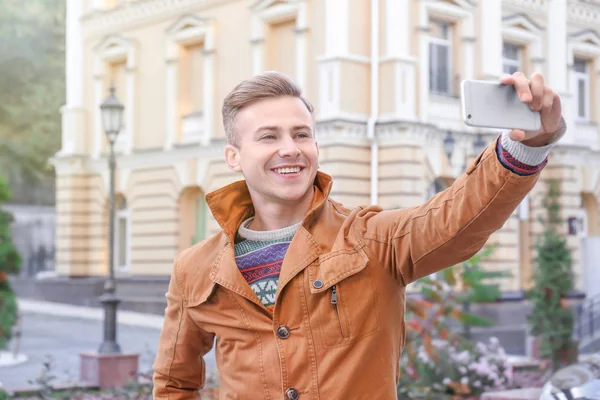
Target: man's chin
{"points": [[293, 195]]}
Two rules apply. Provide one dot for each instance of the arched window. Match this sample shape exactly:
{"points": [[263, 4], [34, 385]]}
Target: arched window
{"points": [[192, 217]]}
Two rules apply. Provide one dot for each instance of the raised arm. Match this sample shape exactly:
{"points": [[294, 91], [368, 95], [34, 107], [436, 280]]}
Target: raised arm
{"points": [[456, 223]]}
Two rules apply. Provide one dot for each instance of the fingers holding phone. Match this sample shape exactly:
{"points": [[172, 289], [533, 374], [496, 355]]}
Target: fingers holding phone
{"points": [[540, 98]]}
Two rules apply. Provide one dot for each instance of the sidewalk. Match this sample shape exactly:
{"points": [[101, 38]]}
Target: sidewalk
{"points": [[60, 332], [129, 318]]}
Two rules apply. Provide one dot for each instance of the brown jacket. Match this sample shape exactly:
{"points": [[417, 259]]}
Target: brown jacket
{"points": [[310, 348]]}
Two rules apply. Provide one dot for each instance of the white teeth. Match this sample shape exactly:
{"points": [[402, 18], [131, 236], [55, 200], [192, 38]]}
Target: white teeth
{"points": [[292, 170]]}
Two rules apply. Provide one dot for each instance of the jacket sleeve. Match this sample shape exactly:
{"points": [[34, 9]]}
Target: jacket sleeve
{"points": [[450, 227], [179, 368]]}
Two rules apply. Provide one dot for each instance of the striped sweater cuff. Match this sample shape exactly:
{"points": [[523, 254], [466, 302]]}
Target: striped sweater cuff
{"points": [[519, 158]]}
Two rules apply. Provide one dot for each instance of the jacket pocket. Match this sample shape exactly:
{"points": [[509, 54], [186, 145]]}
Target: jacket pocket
{"points": [[334, 301], [342, 301]]}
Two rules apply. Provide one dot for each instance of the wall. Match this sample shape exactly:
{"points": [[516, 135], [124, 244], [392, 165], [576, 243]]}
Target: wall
{"points": [[33, 231]]}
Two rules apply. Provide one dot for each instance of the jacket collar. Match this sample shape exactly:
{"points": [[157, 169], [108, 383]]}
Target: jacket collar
{"points": [[232, 204]]}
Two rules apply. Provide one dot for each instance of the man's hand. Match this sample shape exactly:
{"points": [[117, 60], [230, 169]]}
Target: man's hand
{"points": [[540, 98]]}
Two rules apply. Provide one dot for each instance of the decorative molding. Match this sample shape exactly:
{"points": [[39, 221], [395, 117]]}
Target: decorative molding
{"points": [[522, 19], [530, 5], [589, 37], [190, 29], [142, 13], [357, 58], [584, 12], [409, 60]]}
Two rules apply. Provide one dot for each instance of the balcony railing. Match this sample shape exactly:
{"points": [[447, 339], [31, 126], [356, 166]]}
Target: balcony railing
{"points": [[192, 127], [587, 326], [586, 134]]}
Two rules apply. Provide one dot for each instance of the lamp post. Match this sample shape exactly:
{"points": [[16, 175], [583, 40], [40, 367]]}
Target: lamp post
{"points": [[449, 142], [112, 122]]}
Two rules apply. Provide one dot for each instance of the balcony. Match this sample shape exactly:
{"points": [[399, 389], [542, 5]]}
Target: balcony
{"points": [[586, 134], [445, 111], [192, 127]]}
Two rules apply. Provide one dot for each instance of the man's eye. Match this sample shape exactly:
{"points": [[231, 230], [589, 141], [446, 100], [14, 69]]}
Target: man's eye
{"points": [[302, 135], [270, 137]]}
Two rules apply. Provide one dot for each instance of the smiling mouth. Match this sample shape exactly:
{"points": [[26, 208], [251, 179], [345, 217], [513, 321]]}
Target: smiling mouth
{"points": [[288, 170]]}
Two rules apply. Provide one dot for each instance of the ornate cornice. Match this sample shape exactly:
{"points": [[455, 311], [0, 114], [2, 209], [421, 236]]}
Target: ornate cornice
{"points": [[141, 12], [584, 12]]}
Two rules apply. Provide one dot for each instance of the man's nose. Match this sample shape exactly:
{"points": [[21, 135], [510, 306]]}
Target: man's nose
{"points": [[288, 148]]}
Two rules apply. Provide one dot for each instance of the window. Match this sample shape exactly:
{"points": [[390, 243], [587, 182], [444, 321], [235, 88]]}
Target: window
{"points": [[511, 58], [191, 91], [440, 58], [581, 88], [121, 234], [281, 47]]}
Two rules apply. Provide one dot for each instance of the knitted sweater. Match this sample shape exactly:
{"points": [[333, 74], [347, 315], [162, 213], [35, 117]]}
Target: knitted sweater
{"points": [[259, 255]]}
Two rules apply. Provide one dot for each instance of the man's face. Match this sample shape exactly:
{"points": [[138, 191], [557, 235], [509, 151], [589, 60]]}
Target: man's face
{"points": [[277, 153]]}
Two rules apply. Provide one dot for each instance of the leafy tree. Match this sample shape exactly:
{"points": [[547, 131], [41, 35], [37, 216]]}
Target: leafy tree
{"points": [[551, 320], [10, 263], [32, 90]]}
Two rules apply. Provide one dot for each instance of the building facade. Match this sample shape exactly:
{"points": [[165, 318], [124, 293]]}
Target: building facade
{"points": [[384, 76]]}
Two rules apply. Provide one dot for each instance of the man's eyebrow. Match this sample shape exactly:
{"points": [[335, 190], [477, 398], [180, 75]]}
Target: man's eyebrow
{"points": [[297, 127], [277, 128], [267, 128]]}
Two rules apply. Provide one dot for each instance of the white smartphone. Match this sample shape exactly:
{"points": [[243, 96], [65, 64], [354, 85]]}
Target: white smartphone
{"points": [[490, 104]]}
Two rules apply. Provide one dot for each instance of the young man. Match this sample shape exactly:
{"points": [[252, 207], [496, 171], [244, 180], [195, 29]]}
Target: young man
{"points": [[304, 296]]}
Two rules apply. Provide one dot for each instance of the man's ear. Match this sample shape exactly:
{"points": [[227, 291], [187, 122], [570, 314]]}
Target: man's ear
{"points": [[232, 156]]}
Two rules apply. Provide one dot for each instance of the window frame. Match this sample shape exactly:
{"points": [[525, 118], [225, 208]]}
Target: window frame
{"points": [[518, 62], [435, 41], [585, 77]]}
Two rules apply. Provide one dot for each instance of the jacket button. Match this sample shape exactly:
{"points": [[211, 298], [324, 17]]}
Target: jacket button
{"points": [[291, 394], [317, 284], [283, 332]]}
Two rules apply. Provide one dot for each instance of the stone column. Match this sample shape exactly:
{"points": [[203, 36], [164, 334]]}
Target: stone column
{"points": [[258, 44], [556, 54], [301, 46], [397, 52], [337, 32], [73, 113], [423, 33], [491, 39], [468, 43]]}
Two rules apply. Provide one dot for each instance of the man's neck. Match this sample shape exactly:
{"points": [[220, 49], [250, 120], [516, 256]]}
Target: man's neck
{"points": [[270, 216]]}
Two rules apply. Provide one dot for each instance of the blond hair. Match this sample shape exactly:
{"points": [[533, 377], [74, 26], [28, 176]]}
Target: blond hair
{"points": [[262, 86]]}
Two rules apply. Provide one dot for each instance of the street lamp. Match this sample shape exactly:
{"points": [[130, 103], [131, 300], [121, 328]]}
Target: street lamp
{"points": [[479, 145], [112, 122], [449, 142], [449, 145]]}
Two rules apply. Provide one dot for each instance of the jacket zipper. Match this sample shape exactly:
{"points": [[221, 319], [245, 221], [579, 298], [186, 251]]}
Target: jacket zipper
{"points": [[334, 301]]}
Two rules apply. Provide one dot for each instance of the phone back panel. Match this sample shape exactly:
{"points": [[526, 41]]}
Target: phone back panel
{"points": [[494, 105]]}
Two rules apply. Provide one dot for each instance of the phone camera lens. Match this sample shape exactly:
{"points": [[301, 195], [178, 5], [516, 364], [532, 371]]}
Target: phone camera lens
{"points": [[469, 116]]}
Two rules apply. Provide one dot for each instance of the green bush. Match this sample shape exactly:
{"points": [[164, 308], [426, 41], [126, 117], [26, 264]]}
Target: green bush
{"points": [[10, 263]]}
